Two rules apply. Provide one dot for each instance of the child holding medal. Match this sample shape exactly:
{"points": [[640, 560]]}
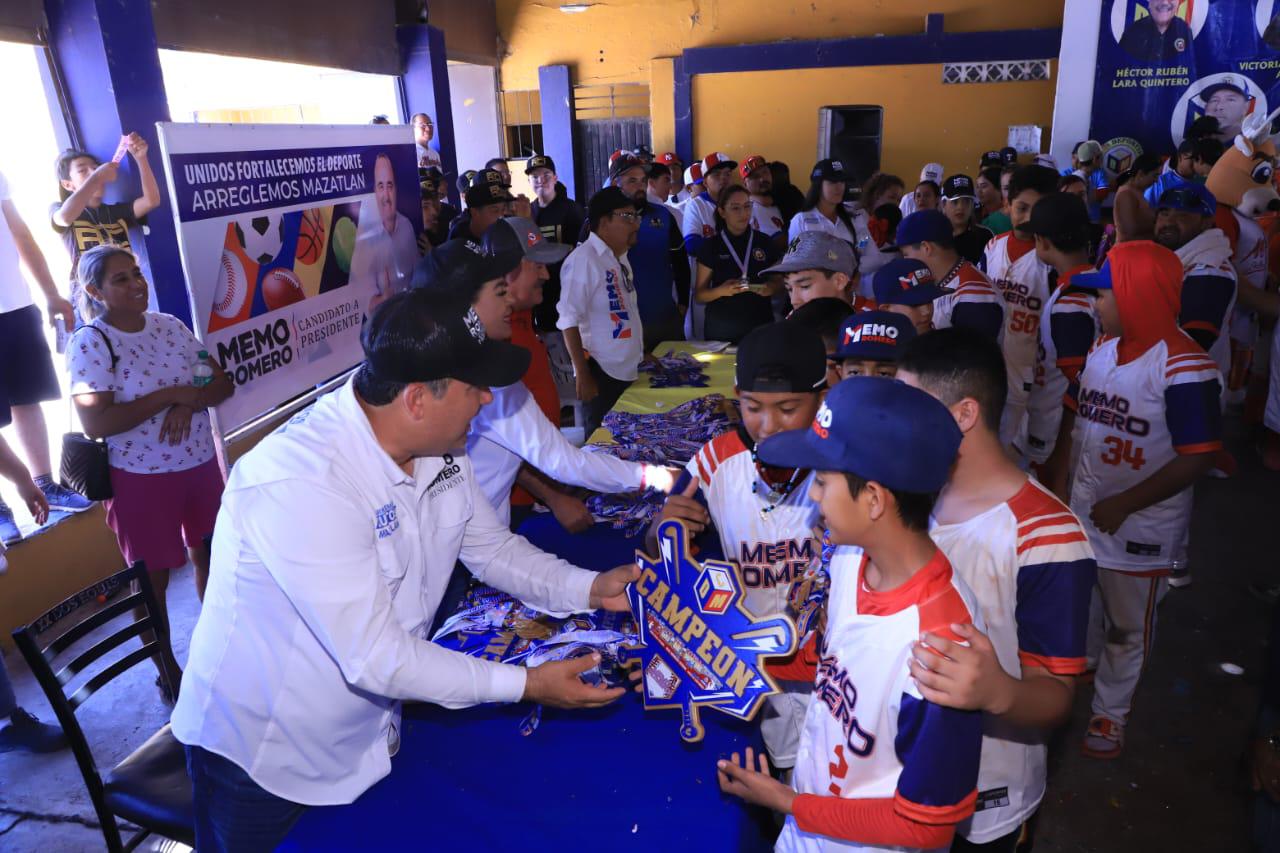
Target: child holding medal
{"points": [[731, 278], [763, 515]]}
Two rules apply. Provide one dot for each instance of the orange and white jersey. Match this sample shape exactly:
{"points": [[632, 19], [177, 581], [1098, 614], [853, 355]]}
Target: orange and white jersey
{"points": [[870, 740], [1132, 419], [972, 302], [1023, 280], [1031, 570], [771, 542], [1068, 328]]}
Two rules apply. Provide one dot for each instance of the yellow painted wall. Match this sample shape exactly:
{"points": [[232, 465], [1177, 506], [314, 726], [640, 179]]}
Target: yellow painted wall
{"points": [[775, 113], [615, 41]]}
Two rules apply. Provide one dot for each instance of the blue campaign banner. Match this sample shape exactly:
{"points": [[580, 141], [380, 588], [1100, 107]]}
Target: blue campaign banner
{"points": [[1162, 64]]}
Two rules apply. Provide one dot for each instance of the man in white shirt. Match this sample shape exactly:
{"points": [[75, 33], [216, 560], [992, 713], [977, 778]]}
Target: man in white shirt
{"points": [[386, 248], [599, 310], [424, 130], [336, 538], [765, 216]]}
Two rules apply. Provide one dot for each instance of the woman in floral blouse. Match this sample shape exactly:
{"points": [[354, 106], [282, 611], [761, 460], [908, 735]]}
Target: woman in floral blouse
{"points": [[165, 477]]}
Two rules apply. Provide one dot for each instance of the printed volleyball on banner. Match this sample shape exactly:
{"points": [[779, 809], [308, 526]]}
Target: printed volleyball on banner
{"points": [[290, 236]]}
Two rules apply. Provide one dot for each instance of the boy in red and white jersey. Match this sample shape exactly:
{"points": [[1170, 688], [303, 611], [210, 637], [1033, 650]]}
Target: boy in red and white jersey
{"points": [[762, 514], [971, 300], [1147, 424], [879, 766], [1029, 564], [1023, 279], [1068, 324]]}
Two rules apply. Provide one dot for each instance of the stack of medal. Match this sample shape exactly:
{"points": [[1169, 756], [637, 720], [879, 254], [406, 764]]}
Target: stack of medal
{"points": [[675, 370], [669, 438], [808, 595]]}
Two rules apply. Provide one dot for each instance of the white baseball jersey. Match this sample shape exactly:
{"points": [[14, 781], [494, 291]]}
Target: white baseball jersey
{"points": [[699, 221], [972, 303], [1068, 328], [1030, 567], [771, 548], [1132, 419], [868, 734], [1023, 279], [767, 220], [1250, 260]]}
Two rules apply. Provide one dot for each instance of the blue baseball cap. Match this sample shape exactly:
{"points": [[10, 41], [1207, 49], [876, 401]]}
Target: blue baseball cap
{"points": [[879, 429], [874, 336], [1189, 197], [925, 226], [904, 281], [1099, 280]]}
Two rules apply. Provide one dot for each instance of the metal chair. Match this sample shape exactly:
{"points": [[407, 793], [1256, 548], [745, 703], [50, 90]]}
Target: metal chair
{"points": [[150, 787]]}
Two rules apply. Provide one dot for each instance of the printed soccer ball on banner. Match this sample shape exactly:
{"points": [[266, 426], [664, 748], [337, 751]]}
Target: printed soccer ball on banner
{"points": [[261, 236]]}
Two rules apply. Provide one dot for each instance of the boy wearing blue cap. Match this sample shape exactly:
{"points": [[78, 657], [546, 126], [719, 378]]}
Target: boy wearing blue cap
{"points": [[871, 343], [905, 286], [889, 583], [971, 301]]}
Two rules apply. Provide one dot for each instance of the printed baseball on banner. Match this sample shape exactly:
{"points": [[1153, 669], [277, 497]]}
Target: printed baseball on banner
{"points": [[290, 236]]}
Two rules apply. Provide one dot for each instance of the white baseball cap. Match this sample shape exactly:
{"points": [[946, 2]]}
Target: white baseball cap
{"points": [[932, 172], [1047, 160]]}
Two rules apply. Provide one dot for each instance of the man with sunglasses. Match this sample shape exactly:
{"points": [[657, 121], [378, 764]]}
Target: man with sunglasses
{"points": [[599, 308]]}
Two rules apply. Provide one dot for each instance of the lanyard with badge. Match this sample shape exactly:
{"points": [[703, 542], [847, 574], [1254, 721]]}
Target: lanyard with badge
{"points": [[742, 264]]}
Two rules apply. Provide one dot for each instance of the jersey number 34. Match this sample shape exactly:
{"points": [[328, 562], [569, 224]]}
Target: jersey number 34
{"points": [[1122, 450]]}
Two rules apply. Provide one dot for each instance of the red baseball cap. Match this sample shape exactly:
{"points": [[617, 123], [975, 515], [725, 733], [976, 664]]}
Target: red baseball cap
{"points": [[749, 165], [666, 158], [718, 160]]}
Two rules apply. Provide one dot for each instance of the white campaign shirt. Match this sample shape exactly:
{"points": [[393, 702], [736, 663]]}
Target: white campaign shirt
{"points": [[162, 355], [767, 219], [328, 564], [512, 430], [598, 295], [15, 293]]}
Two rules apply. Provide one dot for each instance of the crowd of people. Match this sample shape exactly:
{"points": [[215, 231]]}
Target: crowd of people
{"points": [[981, 401]]}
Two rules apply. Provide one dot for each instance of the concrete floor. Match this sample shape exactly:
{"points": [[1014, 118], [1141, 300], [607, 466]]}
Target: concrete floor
{"points": [[1178, 786]]}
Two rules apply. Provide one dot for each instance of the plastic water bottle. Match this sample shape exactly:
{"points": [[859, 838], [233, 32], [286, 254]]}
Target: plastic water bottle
{"points": [[203, 371]]}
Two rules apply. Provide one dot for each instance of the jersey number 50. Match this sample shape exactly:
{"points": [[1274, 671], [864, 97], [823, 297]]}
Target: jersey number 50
{"points": [[1122, 450], [1024, 322]]}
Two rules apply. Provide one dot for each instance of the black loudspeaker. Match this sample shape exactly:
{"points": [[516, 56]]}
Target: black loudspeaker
{"points": [[852, 134]]}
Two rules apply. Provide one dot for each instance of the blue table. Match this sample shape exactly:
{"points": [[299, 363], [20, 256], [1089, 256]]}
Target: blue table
{"points": [[610, 779]]}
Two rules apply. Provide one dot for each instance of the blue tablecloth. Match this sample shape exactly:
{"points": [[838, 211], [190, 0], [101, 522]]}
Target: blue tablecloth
{"points": [[611, 779]]}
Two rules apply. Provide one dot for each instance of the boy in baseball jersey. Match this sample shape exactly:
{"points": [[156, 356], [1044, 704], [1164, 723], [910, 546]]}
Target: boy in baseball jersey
{"points": [[1029, 564], [763, 515], [1023, 278], [765, 216], [1147, 424], [1068, 324], [906, 287], [880, 767], [971, 300], [871, 343], [700, 211]]}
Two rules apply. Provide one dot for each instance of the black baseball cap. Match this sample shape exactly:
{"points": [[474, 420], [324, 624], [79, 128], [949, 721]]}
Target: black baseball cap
{"points": [[464, 181], [425, 335], [782, 357], [607, 201], [990, 158], [959, 186], [480, 194], [829, 170], [1009, 155], [462, 266], [1056, 214], [539, 161]]}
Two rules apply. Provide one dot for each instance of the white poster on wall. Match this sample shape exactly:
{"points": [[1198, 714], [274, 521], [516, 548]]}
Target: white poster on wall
{"points": [[289, 236]]}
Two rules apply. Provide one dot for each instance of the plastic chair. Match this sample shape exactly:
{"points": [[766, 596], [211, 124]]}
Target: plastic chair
{"points": [[150, 788]]}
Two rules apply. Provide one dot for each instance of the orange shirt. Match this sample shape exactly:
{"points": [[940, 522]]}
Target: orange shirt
{"points": [[537, 378]]}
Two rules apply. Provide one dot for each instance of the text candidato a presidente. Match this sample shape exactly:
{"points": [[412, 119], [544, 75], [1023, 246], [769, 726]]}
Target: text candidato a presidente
{"points": [[257, 181]]}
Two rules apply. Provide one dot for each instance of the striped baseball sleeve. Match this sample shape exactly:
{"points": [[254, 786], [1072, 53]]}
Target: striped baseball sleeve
{"points": [[1193, 408]]}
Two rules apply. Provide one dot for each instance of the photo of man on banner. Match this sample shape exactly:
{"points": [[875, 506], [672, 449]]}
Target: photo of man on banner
{"points": [[386, 246], [1160, 35]]}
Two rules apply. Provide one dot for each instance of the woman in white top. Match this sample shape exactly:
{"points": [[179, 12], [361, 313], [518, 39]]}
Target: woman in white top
{"points": [[133, 382]]}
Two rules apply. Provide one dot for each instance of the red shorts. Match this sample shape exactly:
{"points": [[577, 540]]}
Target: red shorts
{"points": [[157, 516]]}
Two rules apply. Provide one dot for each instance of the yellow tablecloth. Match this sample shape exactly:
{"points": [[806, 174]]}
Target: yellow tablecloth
{"points": [[641, 399]]}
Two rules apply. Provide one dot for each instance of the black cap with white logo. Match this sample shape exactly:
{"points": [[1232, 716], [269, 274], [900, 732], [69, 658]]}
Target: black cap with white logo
{"points": [[425, 335]]}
